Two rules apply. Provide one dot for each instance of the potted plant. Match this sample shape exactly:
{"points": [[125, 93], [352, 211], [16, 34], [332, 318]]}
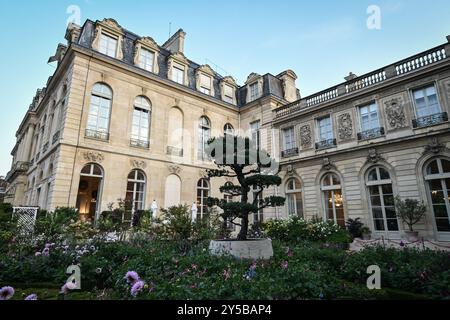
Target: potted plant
{"points": [[410, 211], [366, 233], [253, 171]]}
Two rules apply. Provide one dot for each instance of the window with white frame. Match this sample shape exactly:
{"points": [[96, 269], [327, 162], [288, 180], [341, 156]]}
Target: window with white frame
{"points": [[289, 142], [203, 190], [135, 194], [99, 112], [228, 93], [205, 84], [257, 194], [146, 59], [255, 128], [228, 129], [332, 199], [369, 117], [426, 101], [437, 176], [108, 45], [325, 129], [294, 199], [141, 122], [178, 73], [204, 134], [254, 91]]}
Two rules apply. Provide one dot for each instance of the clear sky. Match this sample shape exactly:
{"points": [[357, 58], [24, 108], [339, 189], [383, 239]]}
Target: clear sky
{"points": [[321, 40]]}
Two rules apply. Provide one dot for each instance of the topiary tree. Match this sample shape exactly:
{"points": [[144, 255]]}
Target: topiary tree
{"points": [[411, 211], [254, 171]]}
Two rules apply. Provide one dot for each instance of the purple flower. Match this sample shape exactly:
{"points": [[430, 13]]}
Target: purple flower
{"points": [[132, 277], [48, 245], [37, 254], [6, 293], [46, 252], [137, 287], [285, 264], [32, 297], [67, 287], [402, 244]]}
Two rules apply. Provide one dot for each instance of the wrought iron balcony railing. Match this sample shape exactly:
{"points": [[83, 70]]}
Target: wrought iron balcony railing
{"points": [[45, 148], [99, 135], [55, 137], [289, 153], [140, 143], [325, 144], [38, 156], [371, 134], [430, 120]]}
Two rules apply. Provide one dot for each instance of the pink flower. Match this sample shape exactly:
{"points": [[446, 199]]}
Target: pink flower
{"points": [[37, 254], [194, 267], [132, 277], [285, 264], [290, 254], [137, 287], [227, 274], [6, 293]]}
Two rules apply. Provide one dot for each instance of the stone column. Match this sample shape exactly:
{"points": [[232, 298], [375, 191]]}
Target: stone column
{"points": [[28, 142]]}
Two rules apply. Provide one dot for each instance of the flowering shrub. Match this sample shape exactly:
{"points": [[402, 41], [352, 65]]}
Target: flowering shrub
{"points": [[295, 229]]}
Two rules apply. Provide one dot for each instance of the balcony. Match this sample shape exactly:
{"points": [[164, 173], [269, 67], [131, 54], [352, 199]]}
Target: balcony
{"points": [[289, 153], [55, 137], [325, 144], [45, 148], [431, 120], [140, 143], [38, 156], [173, 151], [371, 134], [20, 167], [98, 135]]}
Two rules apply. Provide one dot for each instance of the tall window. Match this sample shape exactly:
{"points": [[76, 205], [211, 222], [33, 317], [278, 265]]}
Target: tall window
{"points": [[427, 102], [228, 129], [381, 201], [204, 134], [146, 59], [437, 175], [254, 91], [141, 122], [294, 198], [289, 139], [172, 191], [108, 45], [178, 73], [135, 195], [333, 200], [229, 198], [202, 197], [205, 84], [228, 94], [369, 117], [255, 128], [325, 129], [99, 112], [258, 216]]}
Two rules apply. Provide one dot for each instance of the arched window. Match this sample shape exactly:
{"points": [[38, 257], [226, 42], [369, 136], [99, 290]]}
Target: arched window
{"points": [[99, 112], [333, 200], [202, 197], [204, 134], [228, 129], [173, 191], [381, 200], [135, 196], [175, 132], [89, 192], [294, 198], [437, 175], [140, 130]]}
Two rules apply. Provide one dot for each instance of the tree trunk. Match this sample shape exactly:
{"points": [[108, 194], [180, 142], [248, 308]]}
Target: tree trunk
{"points": [[242, 236]]}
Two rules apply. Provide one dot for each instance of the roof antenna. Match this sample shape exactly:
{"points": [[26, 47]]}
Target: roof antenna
{"points": [[170, 29]]}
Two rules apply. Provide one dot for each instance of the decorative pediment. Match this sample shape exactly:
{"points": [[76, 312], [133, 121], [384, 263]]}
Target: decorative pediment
{"points": [[434, 146], [111, 25], [374, 156], [138, 164], [148, 42], [252, 77], [229, 80], [206, 69], [174, 169], [179, 57], [92, 156]]}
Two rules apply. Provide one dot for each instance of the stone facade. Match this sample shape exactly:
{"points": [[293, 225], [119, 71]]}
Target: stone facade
{"points": [[353, 148]]}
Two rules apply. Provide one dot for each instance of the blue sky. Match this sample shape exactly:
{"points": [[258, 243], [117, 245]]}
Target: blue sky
{"points": [[322, 41]]}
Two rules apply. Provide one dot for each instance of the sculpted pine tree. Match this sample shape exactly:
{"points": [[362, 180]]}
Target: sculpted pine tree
{"points": [[254, 171]]}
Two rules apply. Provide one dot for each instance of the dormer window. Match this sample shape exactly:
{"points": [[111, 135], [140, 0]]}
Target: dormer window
{"points": [[108, 45], [228, 90], [178, 73], [254, 91], [146, 59], [205, 84], [228, 94]]}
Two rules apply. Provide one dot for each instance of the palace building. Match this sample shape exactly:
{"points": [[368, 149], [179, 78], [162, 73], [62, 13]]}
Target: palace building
{"points": [[123, 117]]}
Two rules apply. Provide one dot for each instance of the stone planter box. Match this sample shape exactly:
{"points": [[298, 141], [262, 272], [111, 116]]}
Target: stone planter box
{"points": [[250, 249]]}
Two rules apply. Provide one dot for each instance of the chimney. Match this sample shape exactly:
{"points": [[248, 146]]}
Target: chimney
{"points": [[290, 91], [72, 33], [176, 42]]}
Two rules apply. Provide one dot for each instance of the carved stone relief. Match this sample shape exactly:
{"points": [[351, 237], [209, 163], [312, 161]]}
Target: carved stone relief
{"points": [[345, 126], [395, 113], [305, 136]]}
